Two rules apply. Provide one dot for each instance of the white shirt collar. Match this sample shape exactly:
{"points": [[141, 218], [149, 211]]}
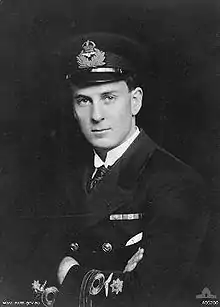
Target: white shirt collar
{"points": [[114, 154]]}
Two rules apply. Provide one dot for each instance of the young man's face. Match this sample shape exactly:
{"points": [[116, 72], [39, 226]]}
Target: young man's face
{"points": [[106, 113]]}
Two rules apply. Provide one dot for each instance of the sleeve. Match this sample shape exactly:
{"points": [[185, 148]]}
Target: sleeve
{"points": [[171, 241]]}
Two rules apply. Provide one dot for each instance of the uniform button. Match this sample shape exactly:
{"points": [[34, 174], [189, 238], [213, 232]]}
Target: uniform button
{"points": [[107, 247], [74, 246]]}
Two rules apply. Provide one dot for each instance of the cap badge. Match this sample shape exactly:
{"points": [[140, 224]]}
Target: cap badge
{"points": [[90, 56]]}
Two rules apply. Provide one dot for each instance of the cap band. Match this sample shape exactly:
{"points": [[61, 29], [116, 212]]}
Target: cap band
{"points": [[99, 73], [107, 69]]}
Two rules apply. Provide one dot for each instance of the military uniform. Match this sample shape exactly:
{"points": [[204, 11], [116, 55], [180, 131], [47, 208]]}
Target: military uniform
{"points": [[155, 202], [147, 200]]}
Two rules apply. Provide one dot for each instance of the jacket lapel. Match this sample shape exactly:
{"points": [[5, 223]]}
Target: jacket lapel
{"points": [[117, 187]]}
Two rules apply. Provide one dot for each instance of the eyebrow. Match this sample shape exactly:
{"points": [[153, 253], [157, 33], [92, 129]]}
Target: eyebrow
{"points": [[101, 94], [109, 92], [81, 96]]}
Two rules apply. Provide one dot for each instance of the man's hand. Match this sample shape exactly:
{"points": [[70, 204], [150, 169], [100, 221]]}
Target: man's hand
{"points": [[64, 268], [135, 259]]}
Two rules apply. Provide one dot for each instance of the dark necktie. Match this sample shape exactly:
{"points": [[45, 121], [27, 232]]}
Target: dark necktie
{"points": [[100, 173]]}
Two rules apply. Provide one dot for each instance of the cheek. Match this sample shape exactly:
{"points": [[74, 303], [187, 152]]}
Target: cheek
{"points": [[83, 120], [122, 114], [81, 114]]}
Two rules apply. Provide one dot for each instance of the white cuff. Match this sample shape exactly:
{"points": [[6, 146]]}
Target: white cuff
{"points": [[64, 267]]}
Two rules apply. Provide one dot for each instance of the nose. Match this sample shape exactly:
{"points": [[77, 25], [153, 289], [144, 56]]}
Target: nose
{"points": [[97, 112]]}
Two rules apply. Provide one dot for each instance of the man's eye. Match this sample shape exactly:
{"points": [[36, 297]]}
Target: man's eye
{"points": [[82, 101], [109, 98]]}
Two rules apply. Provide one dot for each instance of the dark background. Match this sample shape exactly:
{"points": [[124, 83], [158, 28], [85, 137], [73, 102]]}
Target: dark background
{"points": [[39, 140]]}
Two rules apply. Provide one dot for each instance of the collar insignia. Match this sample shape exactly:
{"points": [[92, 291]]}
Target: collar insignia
{"points": [[90, 56]]}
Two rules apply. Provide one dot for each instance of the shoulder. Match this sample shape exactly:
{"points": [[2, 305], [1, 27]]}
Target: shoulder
{"points": [[166, 167], [174, 187]]}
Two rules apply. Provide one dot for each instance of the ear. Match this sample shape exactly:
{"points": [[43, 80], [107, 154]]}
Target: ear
{"points": [[136, 100]]}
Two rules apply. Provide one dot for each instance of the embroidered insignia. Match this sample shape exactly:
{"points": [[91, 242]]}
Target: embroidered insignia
{"points": [[47, 295], [90, 56], [97, 284], [129, 216], [117, 286], [36, 286]]}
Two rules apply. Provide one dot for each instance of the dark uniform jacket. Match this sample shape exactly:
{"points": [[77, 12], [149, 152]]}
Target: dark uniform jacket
{"points": [[154, 198]]}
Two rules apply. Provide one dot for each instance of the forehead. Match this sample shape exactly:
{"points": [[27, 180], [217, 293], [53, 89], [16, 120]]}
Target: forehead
{"points": [[119, 87]]}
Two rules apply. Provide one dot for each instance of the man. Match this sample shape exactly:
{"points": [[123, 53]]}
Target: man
{"points": [[140, 213]]}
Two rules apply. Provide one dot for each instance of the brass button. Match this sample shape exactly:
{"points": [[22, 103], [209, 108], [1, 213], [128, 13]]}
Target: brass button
{"points": [[107, 247], [74, 246]]}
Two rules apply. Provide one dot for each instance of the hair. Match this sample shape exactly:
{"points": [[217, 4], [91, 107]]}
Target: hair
{"points": [[132, 82]]}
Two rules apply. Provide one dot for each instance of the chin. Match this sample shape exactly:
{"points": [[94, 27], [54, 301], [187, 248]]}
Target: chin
{"points": [[103, 144]]}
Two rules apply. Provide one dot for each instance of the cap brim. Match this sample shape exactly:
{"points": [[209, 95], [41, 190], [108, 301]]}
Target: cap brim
{"points": [[85, 78]]}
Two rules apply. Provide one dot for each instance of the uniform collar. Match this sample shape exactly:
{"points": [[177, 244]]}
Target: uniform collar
{"points": [[114, 154]]}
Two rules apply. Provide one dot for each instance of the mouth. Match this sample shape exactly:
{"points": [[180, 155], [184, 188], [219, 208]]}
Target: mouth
{"points": [[100, 130]]}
